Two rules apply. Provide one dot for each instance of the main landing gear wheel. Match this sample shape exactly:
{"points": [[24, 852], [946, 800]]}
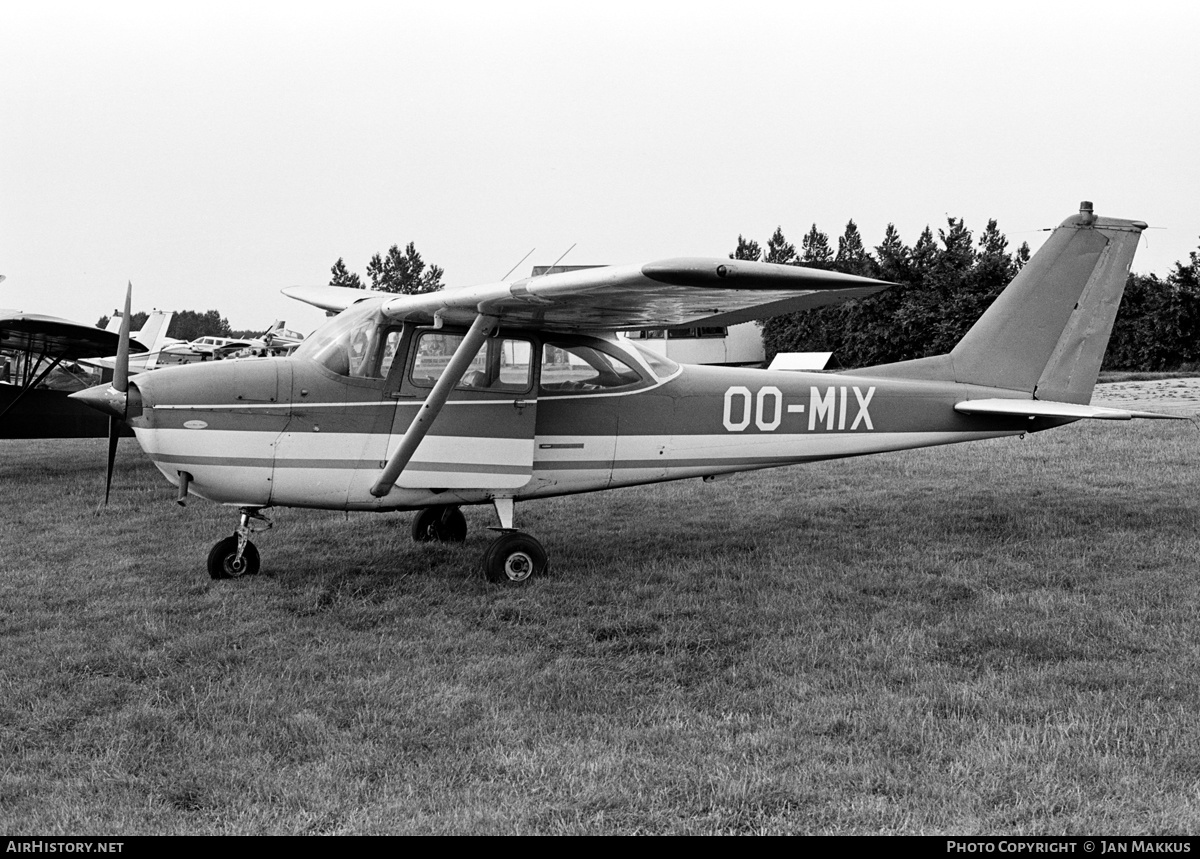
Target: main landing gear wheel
{"points": [[224, 563], [514, 557], [440, 524]]}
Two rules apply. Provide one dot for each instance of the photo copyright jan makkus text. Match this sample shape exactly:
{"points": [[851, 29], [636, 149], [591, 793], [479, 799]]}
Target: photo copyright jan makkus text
{"points": [[1094, 845]]}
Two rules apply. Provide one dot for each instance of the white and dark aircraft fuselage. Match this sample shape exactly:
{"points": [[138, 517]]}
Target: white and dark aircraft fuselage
{"points": [[514, 391]]}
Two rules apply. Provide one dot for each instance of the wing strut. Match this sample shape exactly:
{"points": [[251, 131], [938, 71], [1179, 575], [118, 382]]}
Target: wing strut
{"points": [[432, 407], [30, 384]]}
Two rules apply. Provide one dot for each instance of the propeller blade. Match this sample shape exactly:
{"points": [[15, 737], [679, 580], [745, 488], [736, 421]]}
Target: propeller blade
{"points": [[114, 434], [120, 380], [120, 384]]}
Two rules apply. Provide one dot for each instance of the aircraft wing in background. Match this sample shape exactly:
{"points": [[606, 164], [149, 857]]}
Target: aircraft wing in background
{"points": [[56, 338]]}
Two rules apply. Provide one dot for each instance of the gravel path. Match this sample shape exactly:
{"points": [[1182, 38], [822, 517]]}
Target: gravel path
{"points": [[1169, 396]]}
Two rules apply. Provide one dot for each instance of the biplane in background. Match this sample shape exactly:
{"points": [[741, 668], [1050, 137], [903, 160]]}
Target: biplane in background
{"points": [[41, 363], [520, 390]]}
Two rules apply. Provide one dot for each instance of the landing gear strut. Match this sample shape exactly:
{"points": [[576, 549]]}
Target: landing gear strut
{"points": [[236, 556], [514, 557]]}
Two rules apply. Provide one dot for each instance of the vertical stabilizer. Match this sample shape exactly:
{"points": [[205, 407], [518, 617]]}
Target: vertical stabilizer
{"points": [[154, 335], [154, 332], [1046, 333]]}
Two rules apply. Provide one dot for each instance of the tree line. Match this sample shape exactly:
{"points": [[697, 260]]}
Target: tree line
{"points": [[399, 271], [186, 324], [945, 284]]}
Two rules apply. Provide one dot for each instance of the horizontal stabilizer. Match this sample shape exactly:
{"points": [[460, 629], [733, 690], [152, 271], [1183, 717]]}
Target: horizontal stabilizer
{"points": [[1046, 409]]}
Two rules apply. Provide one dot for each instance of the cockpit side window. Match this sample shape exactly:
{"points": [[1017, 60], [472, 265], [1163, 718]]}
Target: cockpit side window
{"points": [[387, 357], [503, 364]]}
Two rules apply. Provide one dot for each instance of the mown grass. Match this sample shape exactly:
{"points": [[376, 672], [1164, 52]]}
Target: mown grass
{"points": [[989, 638]]}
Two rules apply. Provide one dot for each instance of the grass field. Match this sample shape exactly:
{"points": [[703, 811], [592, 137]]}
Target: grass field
{"points": [[991, 638]]}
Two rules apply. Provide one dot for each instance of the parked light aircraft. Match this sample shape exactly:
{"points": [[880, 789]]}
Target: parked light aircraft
{"points": [[152, 335], [520, 390], [39, 367]]}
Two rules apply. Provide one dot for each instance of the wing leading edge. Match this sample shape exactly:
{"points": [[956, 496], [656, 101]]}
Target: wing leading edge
{"points": [[665, 294]]}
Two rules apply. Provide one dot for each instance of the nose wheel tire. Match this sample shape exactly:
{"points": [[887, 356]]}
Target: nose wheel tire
{"points": [[440, 525], [513, 558], [223, 562]]}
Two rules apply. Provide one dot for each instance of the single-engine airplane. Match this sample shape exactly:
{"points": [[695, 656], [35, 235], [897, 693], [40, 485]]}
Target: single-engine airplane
{"points": [[519, 390]]}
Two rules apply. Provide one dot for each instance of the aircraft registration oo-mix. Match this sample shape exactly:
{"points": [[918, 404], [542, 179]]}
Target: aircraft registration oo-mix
{"points": [[519, 390]]}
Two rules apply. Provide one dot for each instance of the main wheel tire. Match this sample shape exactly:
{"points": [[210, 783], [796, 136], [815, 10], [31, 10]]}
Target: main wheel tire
{"points": [[221, 563], [439, 524], [514, 558]]}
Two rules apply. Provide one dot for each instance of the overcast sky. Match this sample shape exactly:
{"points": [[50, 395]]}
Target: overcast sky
{"points": [[213, 153]]}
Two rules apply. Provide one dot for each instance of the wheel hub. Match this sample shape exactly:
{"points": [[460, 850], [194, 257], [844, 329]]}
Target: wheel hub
{"points": [[235, 567], [518, 566]]}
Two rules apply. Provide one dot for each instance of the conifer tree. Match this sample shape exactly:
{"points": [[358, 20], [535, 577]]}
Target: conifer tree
{"points": [[397, 271], [814, 249], [340, 276], [893, 256], [403, 272], [747, 250], [852, 256], [780, 250]]}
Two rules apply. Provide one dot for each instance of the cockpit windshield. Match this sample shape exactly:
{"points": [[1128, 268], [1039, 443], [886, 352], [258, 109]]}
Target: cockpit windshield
{"points": [[349, 343]]}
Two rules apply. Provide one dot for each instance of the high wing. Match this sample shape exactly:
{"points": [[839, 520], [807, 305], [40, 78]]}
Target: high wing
{"points": [[665, 294], [56, 338]]}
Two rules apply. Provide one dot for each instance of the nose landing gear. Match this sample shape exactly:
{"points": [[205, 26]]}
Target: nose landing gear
{"points": [[236, 556]]}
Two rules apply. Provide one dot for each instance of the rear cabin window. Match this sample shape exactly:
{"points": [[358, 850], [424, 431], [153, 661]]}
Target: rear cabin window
{"points": [[574, 369], [503, 364], [662, 366]]}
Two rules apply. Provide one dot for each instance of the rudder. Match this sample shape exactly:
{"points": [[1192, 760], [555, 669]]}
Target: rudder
{"points": [[1046, 333]]}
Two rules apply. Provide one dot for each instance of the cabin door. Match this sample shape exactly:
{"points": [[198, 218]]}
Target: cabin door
{"points": [[483, 437]]}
